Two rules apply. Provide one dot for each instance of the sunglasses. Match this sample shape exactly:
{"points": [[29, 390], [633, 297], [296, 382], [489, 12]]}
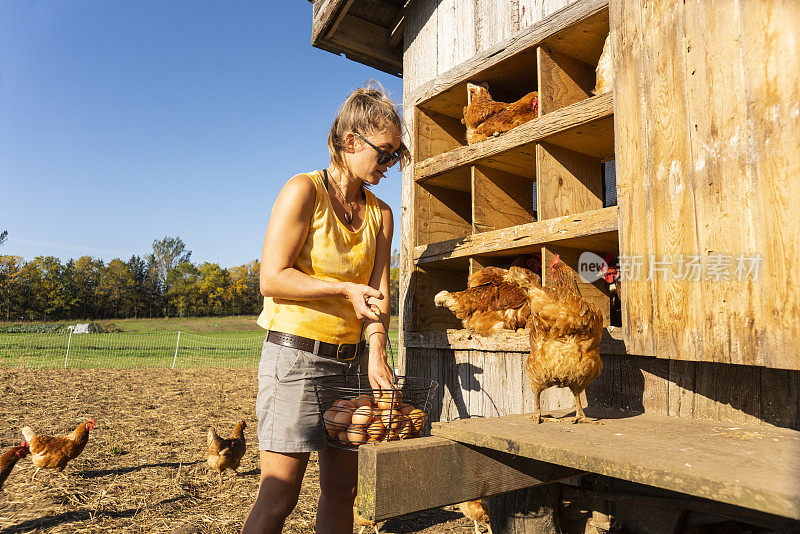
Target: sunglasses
{"points": [[384, 156]]}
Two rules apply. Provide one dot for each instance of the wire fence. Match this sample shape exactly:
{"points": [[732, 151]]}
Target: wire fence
{"points": [[177, 350]]}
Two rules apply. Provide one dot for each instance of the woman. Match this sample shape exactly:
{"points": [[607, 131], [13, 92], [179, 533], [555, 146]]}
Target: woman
{"points": [[324, 272]]}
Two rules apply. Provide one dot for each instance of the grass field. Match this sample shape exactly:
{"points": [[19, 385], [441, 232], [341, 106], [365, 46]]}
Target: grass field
{"points": [[228, 342]]}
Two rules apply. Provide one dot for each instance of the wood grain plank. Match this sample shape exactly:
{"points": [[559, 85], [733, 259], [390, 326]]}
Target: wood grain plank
{"points": [[632, 139], [563, 80], [568, 182], [448, 471], [525, 40], [567, 229], [419, 38], [771, 79], [519, 341], [751, 466], [494, 23], [717, 129], [456, 33], [500, 199], [564, 119]]}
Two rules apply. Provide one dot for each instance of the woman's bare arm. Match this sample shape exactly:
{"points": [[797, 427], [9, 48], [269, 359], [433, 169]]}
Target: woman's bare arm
{"points": [[379, 372], [286, 233]]}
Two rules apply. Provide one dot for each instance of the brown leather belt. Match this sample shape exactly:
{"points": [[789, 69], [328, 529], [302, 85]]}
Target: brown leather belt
{"points": [[342, 353]]}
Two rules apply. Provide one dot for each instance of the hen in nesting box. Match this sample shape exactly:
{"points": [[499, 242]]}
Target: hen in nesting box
{"points": [[485, 117]]}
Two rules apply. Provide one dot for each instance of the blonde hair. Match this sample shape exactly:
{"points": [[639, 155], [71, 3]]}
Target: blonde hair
{"points": [[366, 110]]}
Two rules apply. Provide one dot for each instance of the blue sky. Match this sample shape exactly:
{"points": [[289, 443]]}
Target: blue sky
{"points": [[123, 122]]}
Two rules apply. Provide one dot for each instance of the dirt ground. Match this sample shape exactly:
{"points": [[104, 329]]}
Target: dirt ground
{"points": [[143, 469]]}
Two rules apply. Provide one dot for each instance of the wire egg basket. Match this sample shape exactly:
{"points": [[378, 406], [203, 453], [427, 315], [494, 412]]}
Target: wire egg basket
{"points": [[352, 413]]}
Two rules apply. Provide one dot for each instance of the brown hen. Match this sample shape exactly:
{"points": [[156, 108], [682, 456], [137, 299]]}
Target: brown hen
{"points": [[485, 117], [495, 299], [565, 335], [10, 458], [50, 452], [226, 453], [476, 511]]}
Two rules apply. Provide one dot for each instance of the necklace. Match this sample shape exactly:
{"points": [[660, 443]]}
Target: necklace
{"points": [[348, 209]]}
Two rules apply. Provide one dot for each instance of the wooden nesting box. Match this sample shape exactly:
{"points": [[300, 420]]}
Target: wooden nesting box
{"points": [[702, 132]]}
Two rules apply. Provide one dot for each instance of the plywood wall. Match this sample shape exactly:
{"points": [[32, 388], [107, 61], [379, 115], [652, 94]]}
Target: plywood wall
{"points": [[707, 102], [708, 160]]}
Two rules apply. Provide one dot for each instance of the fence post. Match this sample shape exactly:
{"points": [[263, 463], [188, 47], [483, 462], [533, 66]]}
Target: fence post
{"points": [[68, 342], [177, 344]]}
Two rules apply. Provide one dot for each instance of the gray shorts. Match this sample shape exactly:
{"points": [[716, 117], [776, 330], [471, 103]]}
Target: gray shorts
{"points": [[286, 405]]}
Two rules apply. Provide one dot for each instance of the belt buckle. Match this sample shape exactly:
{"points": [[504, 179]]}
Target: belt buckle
{"points": [[338, 352]]}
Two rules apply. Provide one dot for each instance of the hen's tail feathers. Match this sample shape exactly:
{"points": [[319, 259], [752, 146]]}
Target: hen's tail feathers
{"points": [[212, 436]]}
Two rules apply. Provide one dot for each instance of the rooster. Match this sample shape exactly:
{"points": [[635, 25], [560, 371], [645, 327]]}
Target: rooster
{"points": [[495, 299], [565, 332], [485, 117], [226, 453], [476, 511], [9, 459], [54, 452]]}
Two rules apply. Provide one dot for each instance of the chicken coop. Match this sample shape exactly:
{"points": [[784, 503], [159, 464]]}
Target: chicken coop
{"points": [[686, 175]]}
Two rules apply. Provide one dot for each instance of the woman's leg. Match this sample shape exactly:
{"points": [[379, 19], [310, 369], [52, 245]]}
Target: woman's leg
{"points": [[337, 480], [278, 490]]}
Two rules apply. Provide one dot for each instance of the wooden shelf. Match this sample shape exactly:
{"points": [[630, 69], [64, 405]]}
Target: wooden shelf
{"points": [[506, 341], [593, 230], [754, 467], [504, 62], [587, 125]]}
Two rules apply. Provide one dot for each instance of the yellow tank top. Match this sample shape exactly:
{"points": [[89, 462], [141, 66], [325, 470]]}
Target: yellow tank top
{"points": [[331, 252]]}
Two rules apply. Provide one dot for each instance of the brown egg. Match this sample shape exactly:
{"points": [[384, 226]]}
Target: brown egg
{"points": [[405, 428], [405, 408], [390, 418], [376, 431], [356, 435], [392, 435], [343, 437], [342, 419], [363, 400], [345, 403], [384, 402], [328, 420], [417, 418], [362, 416]]}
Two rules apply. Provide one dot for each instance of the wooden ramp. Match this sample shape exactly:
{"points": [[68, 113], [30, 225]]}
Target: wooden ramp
{"points": [[756, 467]]}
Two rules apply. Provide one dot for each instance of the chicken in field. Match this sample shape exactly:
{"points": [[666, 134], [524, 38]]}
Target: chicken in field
{"points": [[495, 299], [226, 453], [485, 117], [362, 522], [476, 511], [10, 458], [54, 452], [565, 332], [605, 70]]}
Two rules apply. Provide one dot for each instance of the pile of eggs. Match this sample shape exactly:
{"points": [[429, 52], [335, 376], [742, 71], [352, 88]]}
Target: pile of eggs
{"points": [[366, 419]]}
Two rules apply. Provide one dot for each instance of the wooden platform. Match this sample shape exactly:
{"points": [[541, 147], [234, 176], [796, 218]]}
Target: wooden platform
{"points": [[752, 467]]}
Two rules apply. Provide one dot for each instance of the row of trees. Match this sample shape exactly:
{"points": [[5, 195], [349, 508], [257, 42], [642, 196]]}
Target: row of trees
{"points": [[162, 283]]}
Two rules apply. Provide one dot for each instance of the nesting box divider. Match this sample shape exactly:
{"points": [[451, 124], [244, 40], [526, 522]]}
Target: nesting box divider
{"points": [[563, 80]]}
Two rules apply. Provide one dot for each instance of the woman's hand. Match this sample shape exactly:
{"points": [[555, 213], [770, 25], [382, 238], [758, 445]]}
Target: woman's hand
{"points": [[358, 295], [381, 376]]}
